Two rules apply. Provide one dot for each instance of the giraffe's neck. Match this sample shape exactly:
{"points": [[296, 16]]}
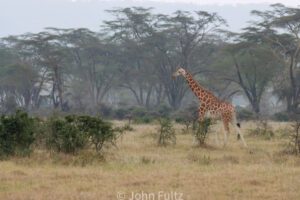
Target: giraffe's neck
{"points": [[201, 93]]}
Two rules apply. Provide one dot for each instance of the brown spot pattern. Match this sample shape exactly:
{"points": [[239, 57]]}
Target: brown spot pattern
{"points": [[210, 103]]}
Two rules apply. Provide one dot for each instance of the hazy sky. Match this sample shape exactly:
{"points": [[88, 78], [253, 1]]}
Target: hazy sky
{"points": [[218, 2], [22, 16], [234, 2]]}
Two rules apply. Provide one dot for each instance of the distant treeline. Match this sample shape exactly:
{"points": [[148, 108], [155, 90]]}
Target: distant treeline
{"points": [[129, 62]]}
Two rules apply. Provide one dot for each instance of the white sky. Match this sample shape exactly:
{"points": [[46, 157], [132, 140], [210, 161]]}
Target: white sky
{"points": [[35, 15], [218, 2], [234, 2]]}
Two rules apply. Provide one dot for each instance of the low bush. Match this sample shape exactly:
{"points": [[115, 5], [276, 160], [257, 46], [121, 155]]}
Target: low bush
{"points": [[16, 134], [68, 134], [64, 135], [166, 132], [121, 113], [72, 133], [281, 116], [139, 112], [162, 111], [105, 110], [262, 130], [127, 127], [143, 120], [244, 114], [187, 118], [294, 143], [200, 130], [142, 115], [99, 131]]}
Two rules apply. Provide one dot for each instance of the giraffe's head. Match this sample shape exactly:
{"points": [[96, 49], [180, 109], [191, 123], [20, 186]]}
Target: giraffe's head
{"points": [[178, 72]]}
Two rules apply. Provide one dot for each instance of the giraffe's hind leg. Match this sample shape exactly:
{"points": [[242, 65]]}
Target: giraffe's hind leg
{"points": [[237, 127], [217, 136], [240, 134], [226, 131]]}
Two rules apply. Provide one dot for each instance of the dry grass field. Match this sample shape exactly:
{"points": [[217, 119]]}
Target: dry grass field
{"points": [[138, 165]]}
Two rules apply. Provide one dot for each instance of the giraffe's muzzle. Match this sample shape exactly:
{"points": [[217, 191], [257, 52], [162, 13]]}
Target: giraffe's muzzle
{"points": [[174, 75]]}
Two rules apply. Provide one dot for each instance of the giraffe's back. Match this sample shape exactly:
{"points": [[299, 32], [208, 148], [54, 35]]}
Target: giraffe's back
{"points": [[219, 109]]}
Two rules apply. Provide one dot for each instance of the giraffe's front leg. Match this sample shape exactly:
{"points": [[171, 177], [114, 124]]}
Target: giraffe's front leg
{"points": [[201, 113], [217, 136]]}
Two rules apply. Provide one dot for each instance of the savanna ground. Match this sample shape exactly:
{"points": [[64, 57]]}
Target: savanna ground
{"points": [[138, 165]]}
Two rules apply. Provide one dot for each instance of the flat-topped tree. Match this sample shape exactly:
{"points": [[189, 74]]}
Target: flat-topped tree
{"points": [[153, 44], [280, 28], [130, 31], [186, 38], [248, 65], [94, 65]]}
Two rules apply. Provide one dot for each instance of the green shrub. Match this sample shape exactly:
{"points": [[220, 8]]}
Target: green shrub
{"points": [[121, 113], [262, 130], [281, 116], [166, 132], [186, 122], [163, 111], [105, 110], [244, 114], [73, 133], [187, 117], [138, 112], [200, 130], [41, 129], [143, 120], [64, 135], [127, 127], [98, 131], [141, 114], [16, 134], [294, 143]]}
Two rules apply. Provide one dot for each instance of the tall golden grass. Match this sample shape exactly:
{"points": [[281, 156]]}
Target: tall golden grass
{"points": [[138, 165]]}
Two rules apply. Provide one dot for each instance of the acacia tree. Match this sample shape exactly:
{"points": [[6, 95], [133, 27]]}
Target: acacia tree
{"points": [[130, 31], [94, 65], [280, 28], [44, 52], [18, 78], [183, 39], [249, 64], [17, 84], [154, 45]]}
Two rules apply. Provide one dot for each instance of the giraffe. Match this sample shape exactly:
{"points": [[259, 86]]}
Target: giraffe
{"points": [[211, 106]]}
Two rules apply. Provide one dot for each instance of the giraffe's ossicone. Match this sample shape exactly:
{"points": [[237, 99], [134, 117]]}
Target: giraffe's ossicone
{"points": [[211, 106]]}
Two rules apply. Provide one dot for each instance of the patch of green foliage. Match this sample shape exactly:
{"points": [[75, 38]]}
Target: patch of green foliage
{"points": [[282, 117], [244, 114], [16, 134], [200, 130], [166, 132], [141, 115], [188, 117], [65, 136], [294, 144], [262, 130], [72, 133]]}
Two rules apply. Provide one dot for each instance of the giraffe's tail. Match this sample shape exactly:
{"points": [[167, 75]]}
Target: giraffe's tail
{"points": [[238, 129], [239, 126]]}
